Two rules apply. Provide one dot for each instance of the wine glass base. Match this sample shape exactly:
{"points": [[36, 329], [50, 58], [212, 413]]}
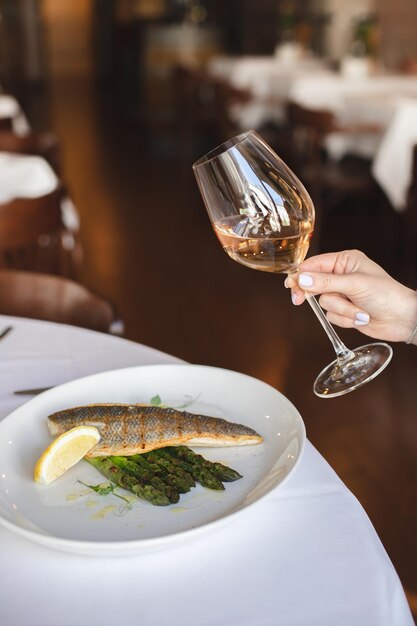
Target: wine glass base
{"points": [[368, 362]]}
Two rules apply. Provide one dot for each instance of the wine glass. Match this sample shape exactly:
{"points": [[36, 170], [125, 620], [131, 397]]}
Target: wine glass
{"points": [[264, 219]]}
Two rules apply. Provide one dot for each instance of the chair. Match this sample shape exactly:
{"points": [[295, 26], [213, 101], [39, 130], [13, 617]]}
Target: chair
{"points": [[310, 128], [409, 66], [33, 237], [55, 299], [40, 144], [328, 182], [203, 106], [6, 124], [225, 97]]}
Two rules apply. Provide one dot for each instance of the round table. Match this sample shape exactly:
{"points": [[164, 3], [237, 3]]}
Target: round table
{"points": [[305, 554]]}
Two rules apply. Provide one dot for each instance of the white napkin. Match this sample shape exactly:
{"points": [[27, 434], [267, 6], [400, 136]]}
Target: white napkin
{"points": [[392, 165]]}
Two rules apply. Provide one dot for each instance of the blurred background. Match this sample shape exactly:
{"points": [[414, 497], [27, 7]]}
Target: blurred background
{"points": [[117, 99]]}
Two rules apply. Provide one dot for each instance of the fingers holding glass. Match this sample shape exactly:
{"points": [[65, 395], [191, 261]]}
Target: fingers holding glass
{"points": [[343, 312]]}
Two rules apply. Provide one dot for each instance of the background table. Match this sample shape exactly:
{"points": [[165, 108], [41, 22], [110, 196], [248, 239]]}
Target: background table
{"points": [[11, 109], [269, 81], [368, 99], [384, 101], [392, 165], [355, 101], [305, 554], [30, 176], [388, 101]]}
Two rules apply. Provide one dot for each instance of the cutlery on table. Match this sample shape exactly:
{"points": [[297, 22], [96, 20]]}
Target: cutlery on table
{"points": [[30, 392], [5, 332]]}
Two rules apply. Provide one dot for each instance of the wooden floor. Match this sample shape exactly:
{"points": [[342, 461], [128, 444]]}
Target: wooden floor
{"points": [[150, 248]]}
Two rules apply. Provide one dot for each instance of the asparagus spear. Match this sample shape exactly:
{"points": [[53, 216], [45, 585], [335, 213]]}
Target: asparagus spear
{"points": [[127, 481], [155, 457], [159, 476], [157, 470], [223, 472], [199, 473], [145, 476]]}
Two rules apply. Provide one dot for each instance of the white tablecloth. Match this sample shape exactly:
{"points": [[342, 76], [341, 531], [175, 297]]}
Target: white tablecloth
{"points": [[367, 100], [268, 79], [30, 176], [393, 163], [305, 555], [355, 101], [10, 108], [388, 101], [377, 100]]}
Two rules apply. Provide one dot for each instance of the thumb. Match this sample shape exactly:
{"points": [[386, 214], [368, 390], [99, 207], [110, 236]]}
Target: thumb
{"points": [[314, 282]]}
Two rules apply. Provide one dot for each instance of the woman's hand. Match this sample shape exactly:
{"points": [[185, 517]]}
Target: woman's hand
{"points": [[357, 293]]}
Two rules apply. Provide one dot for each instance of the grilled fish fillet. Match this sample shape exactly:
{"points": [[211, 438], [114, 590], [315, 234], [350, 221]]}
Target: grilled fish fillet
{"points": [[127, 429]]}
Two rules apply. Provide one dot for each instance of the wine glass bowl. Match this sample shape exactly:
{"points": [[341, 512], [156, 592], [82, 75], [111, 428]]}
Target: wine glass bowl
{"points": [[264, 219], [260, 212]]}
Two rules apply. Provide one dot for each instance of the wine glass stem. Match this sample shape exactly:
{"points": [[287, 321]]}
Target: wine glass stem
{"points": [[342, 352]]}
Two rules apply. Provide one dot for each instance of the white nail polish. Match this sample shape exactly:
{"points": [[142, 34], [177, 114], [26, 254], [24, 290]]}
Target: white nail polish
{"points": [[294, 298], [361, 319], [305, 280]]}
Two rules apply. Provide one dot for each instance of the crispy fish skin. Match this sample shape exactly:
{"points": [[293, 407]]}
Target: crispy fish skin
{"points": [[128, 429]]}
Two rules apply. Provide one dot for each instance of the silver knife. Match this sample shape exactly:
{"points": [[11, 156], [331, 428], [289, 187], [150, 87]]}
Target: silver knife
{"points": [[6, 331], [31, 392]]}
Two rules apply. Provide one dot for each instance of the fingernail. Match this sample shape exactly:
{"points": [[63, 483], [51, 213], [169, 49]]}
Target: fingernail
{"points": [[305, 280], [361, 319], [294, 298], [286, 282]]}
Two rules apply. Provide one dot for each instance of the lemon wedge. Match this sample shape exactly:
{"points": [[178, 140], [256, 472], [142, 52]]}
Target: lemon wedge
{"points": [[64, 452]]}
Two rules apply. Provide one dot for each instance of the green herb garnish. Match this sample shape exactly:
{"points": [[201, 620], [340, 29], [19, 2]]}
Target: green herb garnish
{"points": [[104, 489]]}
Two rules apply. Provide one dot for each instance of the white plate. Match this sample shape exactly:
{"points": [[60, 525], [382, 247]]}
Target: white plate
{"points": [[68, 516]]}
